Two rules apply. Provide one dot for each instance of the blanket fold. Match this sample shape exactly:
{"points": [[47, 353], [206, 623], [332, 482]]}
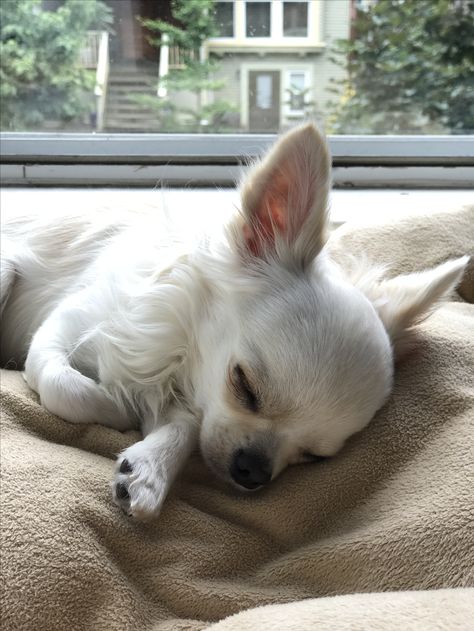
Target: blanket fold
{"points": [[392, 513]]}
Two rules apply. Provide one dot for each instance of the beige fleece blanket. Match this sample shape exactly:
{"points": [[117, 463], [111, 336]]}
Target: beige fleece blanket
{"points": [[392, 513]]}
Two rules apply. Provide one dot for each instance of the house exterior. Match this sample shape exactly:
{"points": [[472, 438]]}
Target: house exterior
{"points": [[275, 58]]}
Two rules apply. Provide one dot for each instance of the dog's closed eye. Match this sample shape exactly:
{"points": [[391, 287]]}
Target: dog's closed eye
{"points": [[244, 392], [308, 456]]}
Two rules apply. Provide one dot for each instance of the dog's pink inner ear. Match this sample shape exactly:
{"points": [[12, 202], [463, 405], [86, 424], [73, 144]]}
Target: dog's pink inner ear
{"points": [[284, 199], [269, 217]]}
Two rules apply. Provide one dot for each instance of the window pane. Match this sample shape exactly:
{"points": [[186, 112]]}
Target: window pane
{"points": [[297, 91], [295, 19], [257, 19], [365, 67], [224, 18], [264, 91], [297, 80]]}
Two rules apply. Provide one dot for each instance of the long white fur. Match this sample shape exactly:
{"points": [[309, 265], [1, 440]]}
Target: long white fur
{"points": [[115, 323]]}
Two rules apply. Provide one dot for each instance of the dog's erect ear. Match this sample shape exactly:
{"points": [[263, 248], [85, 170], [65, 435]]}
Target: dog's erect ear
{"points": [[404, 301], [284, 199]]}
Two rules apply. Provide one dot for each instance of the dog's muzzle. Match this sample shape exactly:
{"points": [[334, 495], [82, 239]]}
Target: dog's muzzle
{"points": [[250, 468]]}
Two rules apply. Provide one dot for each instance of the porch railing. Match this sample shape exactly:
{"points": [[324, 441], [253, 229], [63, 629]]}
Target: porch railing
{"points": [[171, 58], [102, 79], [94, 55], [176, 58], [89, 53]]}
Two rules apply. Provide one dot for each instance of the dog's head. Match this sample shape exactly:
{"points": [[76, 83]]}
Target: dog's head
{"points": [[296, 358]]}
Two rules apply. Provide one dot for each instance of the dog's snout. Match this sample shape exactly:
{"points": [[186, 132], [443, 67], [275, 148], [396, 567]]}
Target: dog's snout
{"points": [[250, 468]]}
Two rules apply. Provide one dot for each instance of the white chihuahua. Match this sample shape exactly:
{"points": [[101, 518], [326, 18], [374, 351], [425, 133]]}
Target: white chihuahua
{"points": [[259, 348]]}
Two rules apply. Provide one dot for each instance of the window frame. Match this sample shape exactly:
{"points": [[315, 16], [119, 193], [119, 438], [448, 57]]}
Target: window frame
{"points": [[289, 2], [276, 41], [271, 17], [54, 159], [227, 37], [305, 71]]}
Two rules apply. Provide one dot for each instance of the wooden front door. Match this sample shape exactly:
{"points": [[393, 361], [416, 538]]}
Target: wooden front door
{"points": [[264, 100]]}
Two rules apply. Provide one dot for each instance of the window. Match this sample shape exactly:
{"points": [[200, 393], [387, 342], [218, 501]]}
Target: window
{"points": [[295, 19], [101, 69], [258, 21], [224, 18], [297, 92], [100, 66], [264, 91]]}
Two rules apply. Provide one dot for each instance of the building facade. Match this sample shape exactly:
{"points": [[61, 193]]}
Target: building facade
{"points": [[274, 62], [275, 58]]}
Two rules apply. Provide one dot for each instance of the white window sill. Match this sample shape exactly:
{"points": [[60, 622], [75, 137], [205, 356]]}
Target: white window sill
{"points": [[207, 206]]}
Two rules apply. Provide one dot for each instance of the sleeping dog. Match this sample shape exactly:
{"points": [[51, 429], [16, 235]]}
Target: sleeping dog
{"points": [[255, 346]]}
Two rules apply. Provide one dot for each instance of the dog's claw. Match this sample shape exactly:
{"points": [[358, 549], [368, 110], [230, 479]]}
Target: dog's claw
{"points": [[138, 487]]}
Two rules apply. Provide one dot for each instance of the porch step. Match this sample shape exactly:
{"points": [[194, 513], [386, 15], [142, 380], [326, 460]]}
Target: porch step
{"points": [[138, 126], [121, 112]]}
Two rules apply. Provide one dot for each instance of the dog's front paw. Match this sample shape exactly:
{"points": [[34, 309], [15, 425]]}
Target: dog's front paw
{"points": [[140, 484]]}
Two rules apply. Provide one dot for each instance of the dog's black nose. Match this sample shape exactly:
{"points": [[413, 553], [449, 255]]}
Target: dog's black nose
{"points": [[250, 468]]}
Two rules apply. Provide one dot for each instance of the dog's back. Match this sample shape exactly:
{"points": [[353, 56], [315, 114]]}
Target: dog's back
{"points": [[43, 260]]}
